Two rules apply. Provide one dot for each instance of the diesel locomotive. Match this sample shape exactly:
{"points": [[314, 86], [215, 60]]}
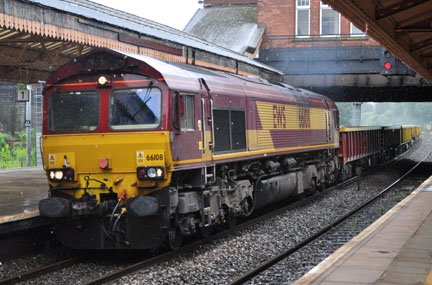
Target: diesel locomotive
{"points": [[139, 152]]}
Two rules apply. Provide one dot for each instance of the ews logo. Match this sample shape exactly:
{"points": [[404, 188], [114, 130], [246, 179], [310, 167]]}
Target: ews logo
{"points": [[279, 119], [304, 118]]}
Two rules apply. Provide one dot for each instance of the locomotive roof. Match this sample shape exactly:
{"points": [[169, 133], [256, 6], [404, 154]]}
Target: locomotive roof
{"points": [[178, 76]]}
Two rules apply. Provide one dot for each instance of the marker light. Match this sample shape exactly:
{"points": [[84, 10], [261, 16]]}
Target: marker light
{"points": [[62, 174], [387, 65], [150, 173]]}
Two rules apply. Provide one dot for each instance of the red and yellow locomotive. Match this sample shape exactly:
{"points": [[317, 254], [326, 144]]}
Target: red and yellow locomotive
{"points": [[139, 151]]}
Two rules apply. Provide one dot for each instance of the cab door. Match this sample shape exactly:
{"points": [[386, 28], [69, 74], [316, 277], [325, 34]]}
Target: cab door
{"points": [[207, 132]]}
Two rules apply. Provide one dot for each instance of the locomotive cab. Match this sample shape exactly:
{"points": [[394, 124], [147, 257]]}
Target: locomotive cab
{"points": [[106, 148]]}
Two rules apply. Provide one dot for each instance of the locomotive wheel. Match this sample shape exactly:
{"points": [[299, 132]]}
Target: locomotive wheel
{"points": [[206, 232], [231, 220], [311, 191], [175, 238]]}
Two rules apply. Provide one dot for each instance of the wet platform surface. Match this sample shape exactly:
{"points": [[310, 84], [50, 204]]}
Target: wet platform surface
{"points": [[396, 249], [21, 189]]}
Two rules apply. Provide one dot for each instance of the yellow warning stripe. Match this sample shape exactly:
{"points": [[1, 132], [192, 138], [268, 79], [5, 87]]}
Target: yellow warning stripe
{"points": [[356, 129], [251, 153]]}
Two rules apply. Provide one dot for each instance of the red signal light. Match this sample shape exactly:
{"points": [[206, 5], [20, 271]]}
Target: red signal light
{"points": [[68, 174], [387, 65], [142, 173]]}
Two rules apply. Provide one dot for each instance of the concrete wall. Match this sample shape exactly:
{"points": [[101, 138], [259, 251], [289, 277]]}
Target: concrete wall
{"points": [[12, 112]]}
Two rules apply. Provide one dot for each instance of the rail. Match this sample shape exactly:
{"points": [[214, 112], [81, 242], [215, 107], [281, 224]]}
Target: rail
{"points": [[267, 264]]}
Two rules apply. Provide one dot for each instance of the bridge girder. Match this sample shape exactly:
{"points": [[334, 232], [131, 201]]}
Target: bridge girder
{"points": [[402, 26]]}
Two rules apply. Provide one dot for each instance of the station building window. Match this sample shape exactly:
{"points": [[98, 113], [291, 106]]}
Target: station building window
{"points": [[302, 18], [330, 21], [356, 32]]}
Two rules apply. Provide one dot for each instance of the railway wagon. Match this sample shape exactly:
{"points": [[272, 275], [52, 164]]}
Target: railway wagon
{"points": [[392, 138], [415, 132], [359, 147], [407, 134], [139, 151]]}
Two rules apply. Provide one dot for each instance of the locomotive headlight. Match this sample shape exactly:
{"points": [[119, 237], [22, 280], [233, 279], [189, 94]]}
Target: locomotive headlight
{"points": [[159, 172], [58, 175], [62, 174], [151, 172], [102, 80]]}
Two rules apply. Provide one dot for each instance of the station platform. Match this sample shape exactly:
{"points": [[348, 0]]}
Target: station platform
{"points": [[21, 189], [396, 249]]}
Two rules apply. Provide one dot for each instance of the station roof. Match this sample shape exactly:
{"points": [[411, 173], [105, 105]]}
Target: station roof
{"points": [[37, 36], [404, 27], [132, 22], [233, 27]]}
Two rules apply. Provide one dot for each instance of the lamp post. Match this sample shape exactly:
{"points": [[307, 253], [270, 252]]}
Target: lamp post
{"points": [[28, 125]]}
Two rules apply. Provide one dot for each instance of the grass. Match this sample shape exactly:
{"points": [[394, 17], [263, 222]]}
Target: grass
{"points": [[353, 225], [15, 156]]}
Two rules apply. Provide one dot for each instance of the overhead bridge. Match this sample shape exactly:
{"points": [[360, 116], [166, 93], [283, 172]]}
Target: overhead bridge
{"points": [[344, 56], [401, 26]]}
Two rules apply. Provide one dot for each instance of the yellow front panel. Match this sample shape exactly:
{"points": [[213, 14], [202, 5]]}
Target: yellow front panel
{"points": [[60, 159], [125, 152]]}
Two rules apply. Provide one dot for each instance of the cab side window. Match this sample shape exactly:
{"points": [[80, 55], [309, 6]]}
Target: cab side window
{"points": [[336, 118], [187, 117]]}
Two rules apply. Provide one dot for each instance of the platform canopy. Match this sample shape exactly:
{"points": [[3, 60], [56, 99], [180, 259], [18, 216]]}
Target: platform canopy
{"points": [[404, 27], [38, 36]]}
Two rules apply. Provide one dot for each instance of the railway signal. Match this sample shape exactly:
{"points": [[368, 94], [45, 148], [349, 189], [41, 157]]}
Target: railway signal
{"points": [[387, 63]]}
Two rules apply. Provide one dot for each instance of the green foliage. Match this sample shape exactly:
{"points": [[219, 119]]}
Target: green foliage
{"points": [[3, 138], [21, 86], [10, 157], [345, 113], [390, 114], [354, 224]]}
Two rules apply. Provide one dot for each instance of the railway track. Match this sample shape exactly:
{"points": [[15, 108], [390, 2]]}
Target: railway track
{"points": [[339, 238], [168, 255], [40, 271], [172, 254], [56, 266]]}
